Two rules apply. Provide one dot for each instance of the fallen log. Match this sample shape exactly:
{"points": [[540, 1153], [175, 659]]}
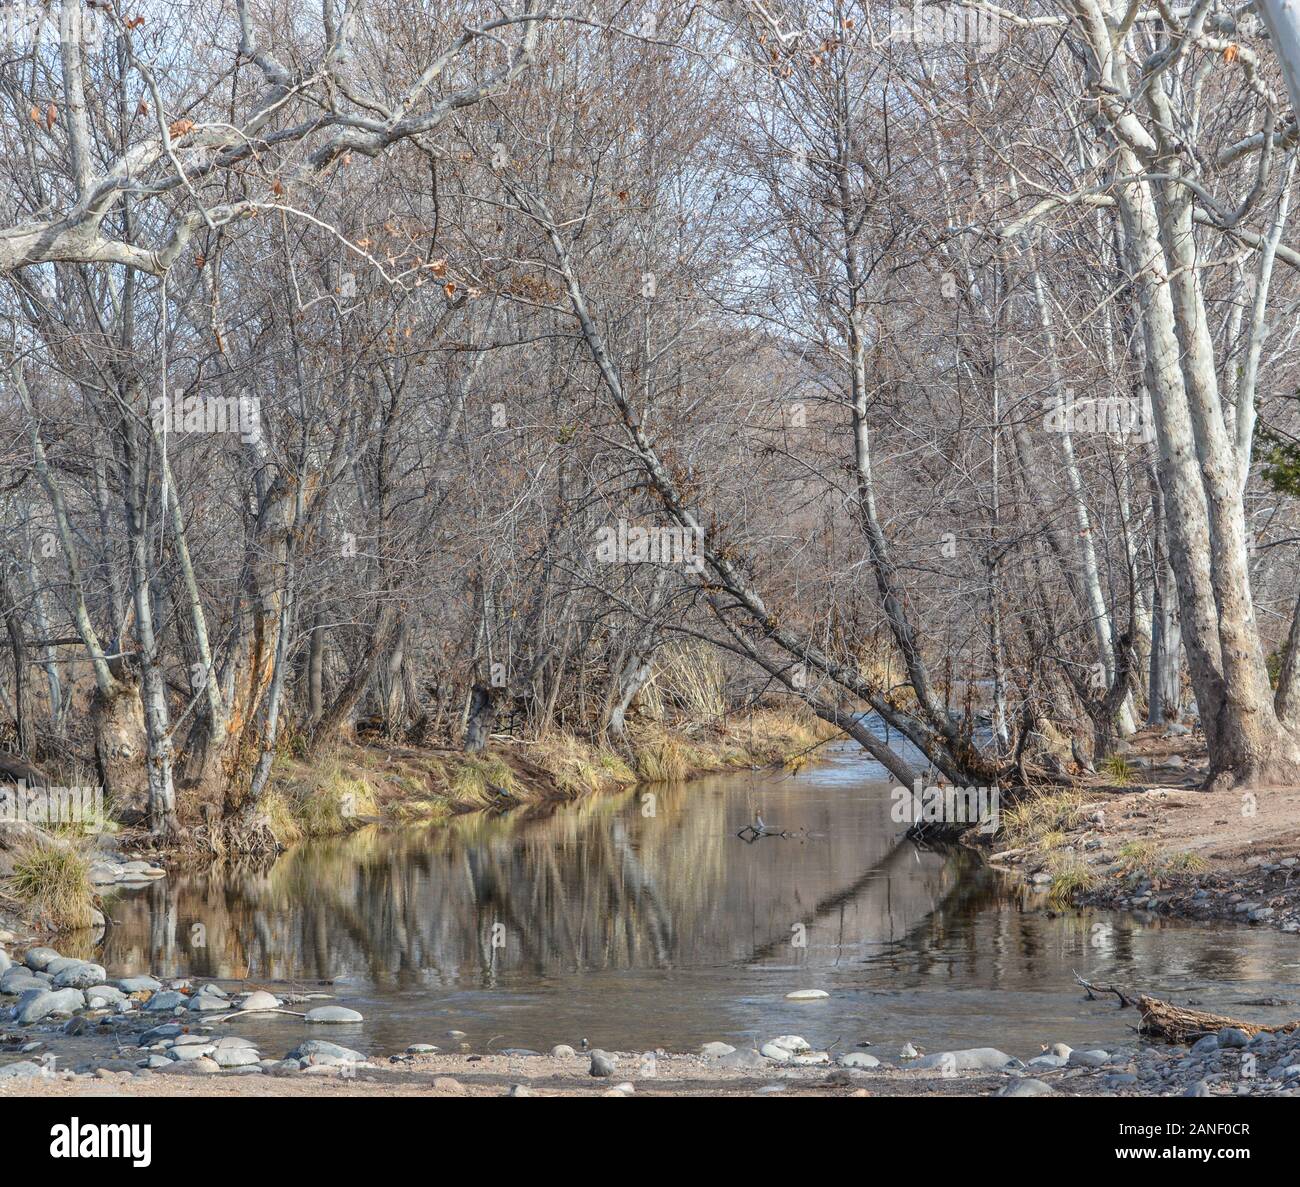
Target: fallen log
{"points": [[1177, 1024]]}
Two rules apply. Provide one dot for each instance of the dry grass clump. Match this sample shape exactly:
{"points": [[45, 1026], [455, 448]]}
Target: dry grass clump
{"points": [[51, 881]]}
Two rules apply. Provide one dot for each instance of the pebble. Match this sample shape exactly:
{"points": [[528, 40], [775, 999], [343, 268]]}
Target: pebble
{"points": [[563, 1051], [601, 1064], [1026, 1087]]}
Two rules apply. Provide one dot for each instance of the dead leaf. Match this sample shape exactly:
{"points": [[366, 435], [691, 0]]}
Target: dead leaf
{"points": [[51, 114], [1231, 53], [179, 128]]}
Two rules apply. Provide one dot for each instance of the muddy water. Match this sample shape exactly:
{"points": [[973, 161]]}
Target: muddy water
{"points": [[637, 923]]}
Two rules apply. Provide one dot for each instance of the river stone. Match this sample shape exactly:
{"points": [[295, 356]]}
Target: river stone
{"points": [[908, 1052], [790, 1043], [520, 1090], [1093, 1058], [100, 996], [138, 984], [233, 1057], [426, 1049], [601, 1064], [234, 1043], [38, 958], [976, 1059], [858, 1059], [1200, 1088], [168, 1030], [26, 1070], [19, 979], [1048, 1061], [192, 1050], [448, 1084], [333, 1014], [716, 1050], [1230, 1036], [748, 1060], [260, 1000], [165, 999], [59, 963], [5, 962], [82, 975], [203, 1066], [313, 1048], [36, 1004], [1205, 1045], [1026, 1087], [207, 1003], [806, 995]]}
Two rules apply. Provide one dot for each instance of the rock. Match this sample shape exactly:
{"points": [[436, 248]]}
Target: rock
{"points": [[313, 1048], [36, 1004], [26, 1070], [59, 963], [183, 1051], [1119, 1080], [208, 1003], [39, 958], [1026, 1087], [601, 1064], [1230, 1037], [232, 1057], [138, 984], [20, 979], [5, 962], [234, 1043], [1206, 1044], [203, 1066], [1048, 1061], [806, 995], [325, 1014], [563, 1051], [976, 1059], [791, 1043], [1093, 1058], [82, 975], [715, 1050], [748, 1060], [520, 1090], [282, 1067], [858, 1059], [810, 1058], [448, 1084], [1200, 1088], [421, 1049], [168, 1030], [259, 1000], [908, 1052], [164, 999]]}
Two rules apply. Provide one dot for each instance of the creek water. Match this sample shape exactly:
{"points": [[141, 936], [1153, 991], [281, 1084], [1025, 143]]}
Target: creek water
{"points": [[639, 923]]}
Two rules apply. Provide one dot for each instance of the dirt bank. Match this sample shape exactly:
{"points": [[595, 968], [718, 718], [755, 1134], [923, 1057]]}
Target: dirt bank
{"points": [[1152, 840]]}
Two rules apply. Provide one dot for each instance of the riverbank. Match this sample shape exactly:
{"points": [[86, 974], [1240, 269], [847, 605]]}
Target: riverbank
{"points": [[74, 1033], [50, 882], [1141, 836]]}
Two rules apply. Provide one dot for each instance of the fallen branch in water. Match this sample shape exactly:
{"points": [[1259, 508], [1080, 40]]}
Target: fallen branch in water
{"points": [[1092, 991], [1180, 1025]]}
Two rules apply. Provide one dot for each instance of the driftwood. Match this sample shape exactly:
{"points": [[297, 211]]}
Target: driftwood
{"points": [[1178, 1024]]}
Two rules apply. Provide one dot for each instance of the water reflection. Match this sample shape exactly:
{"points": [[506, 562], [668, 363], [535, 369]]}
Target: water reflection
{"points": [[642, 922]]}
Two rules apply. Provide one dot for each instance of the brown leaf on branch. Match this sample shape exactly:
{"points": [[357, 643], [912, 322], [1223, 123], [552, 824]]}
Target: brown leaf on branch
{"points": [[51, 114], [1231, 53], [179, 128]]}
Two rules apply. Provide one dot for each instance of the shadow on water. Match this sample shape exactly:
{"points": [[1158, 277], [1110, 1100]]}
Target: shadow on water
{"points": [[641, 920]]}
